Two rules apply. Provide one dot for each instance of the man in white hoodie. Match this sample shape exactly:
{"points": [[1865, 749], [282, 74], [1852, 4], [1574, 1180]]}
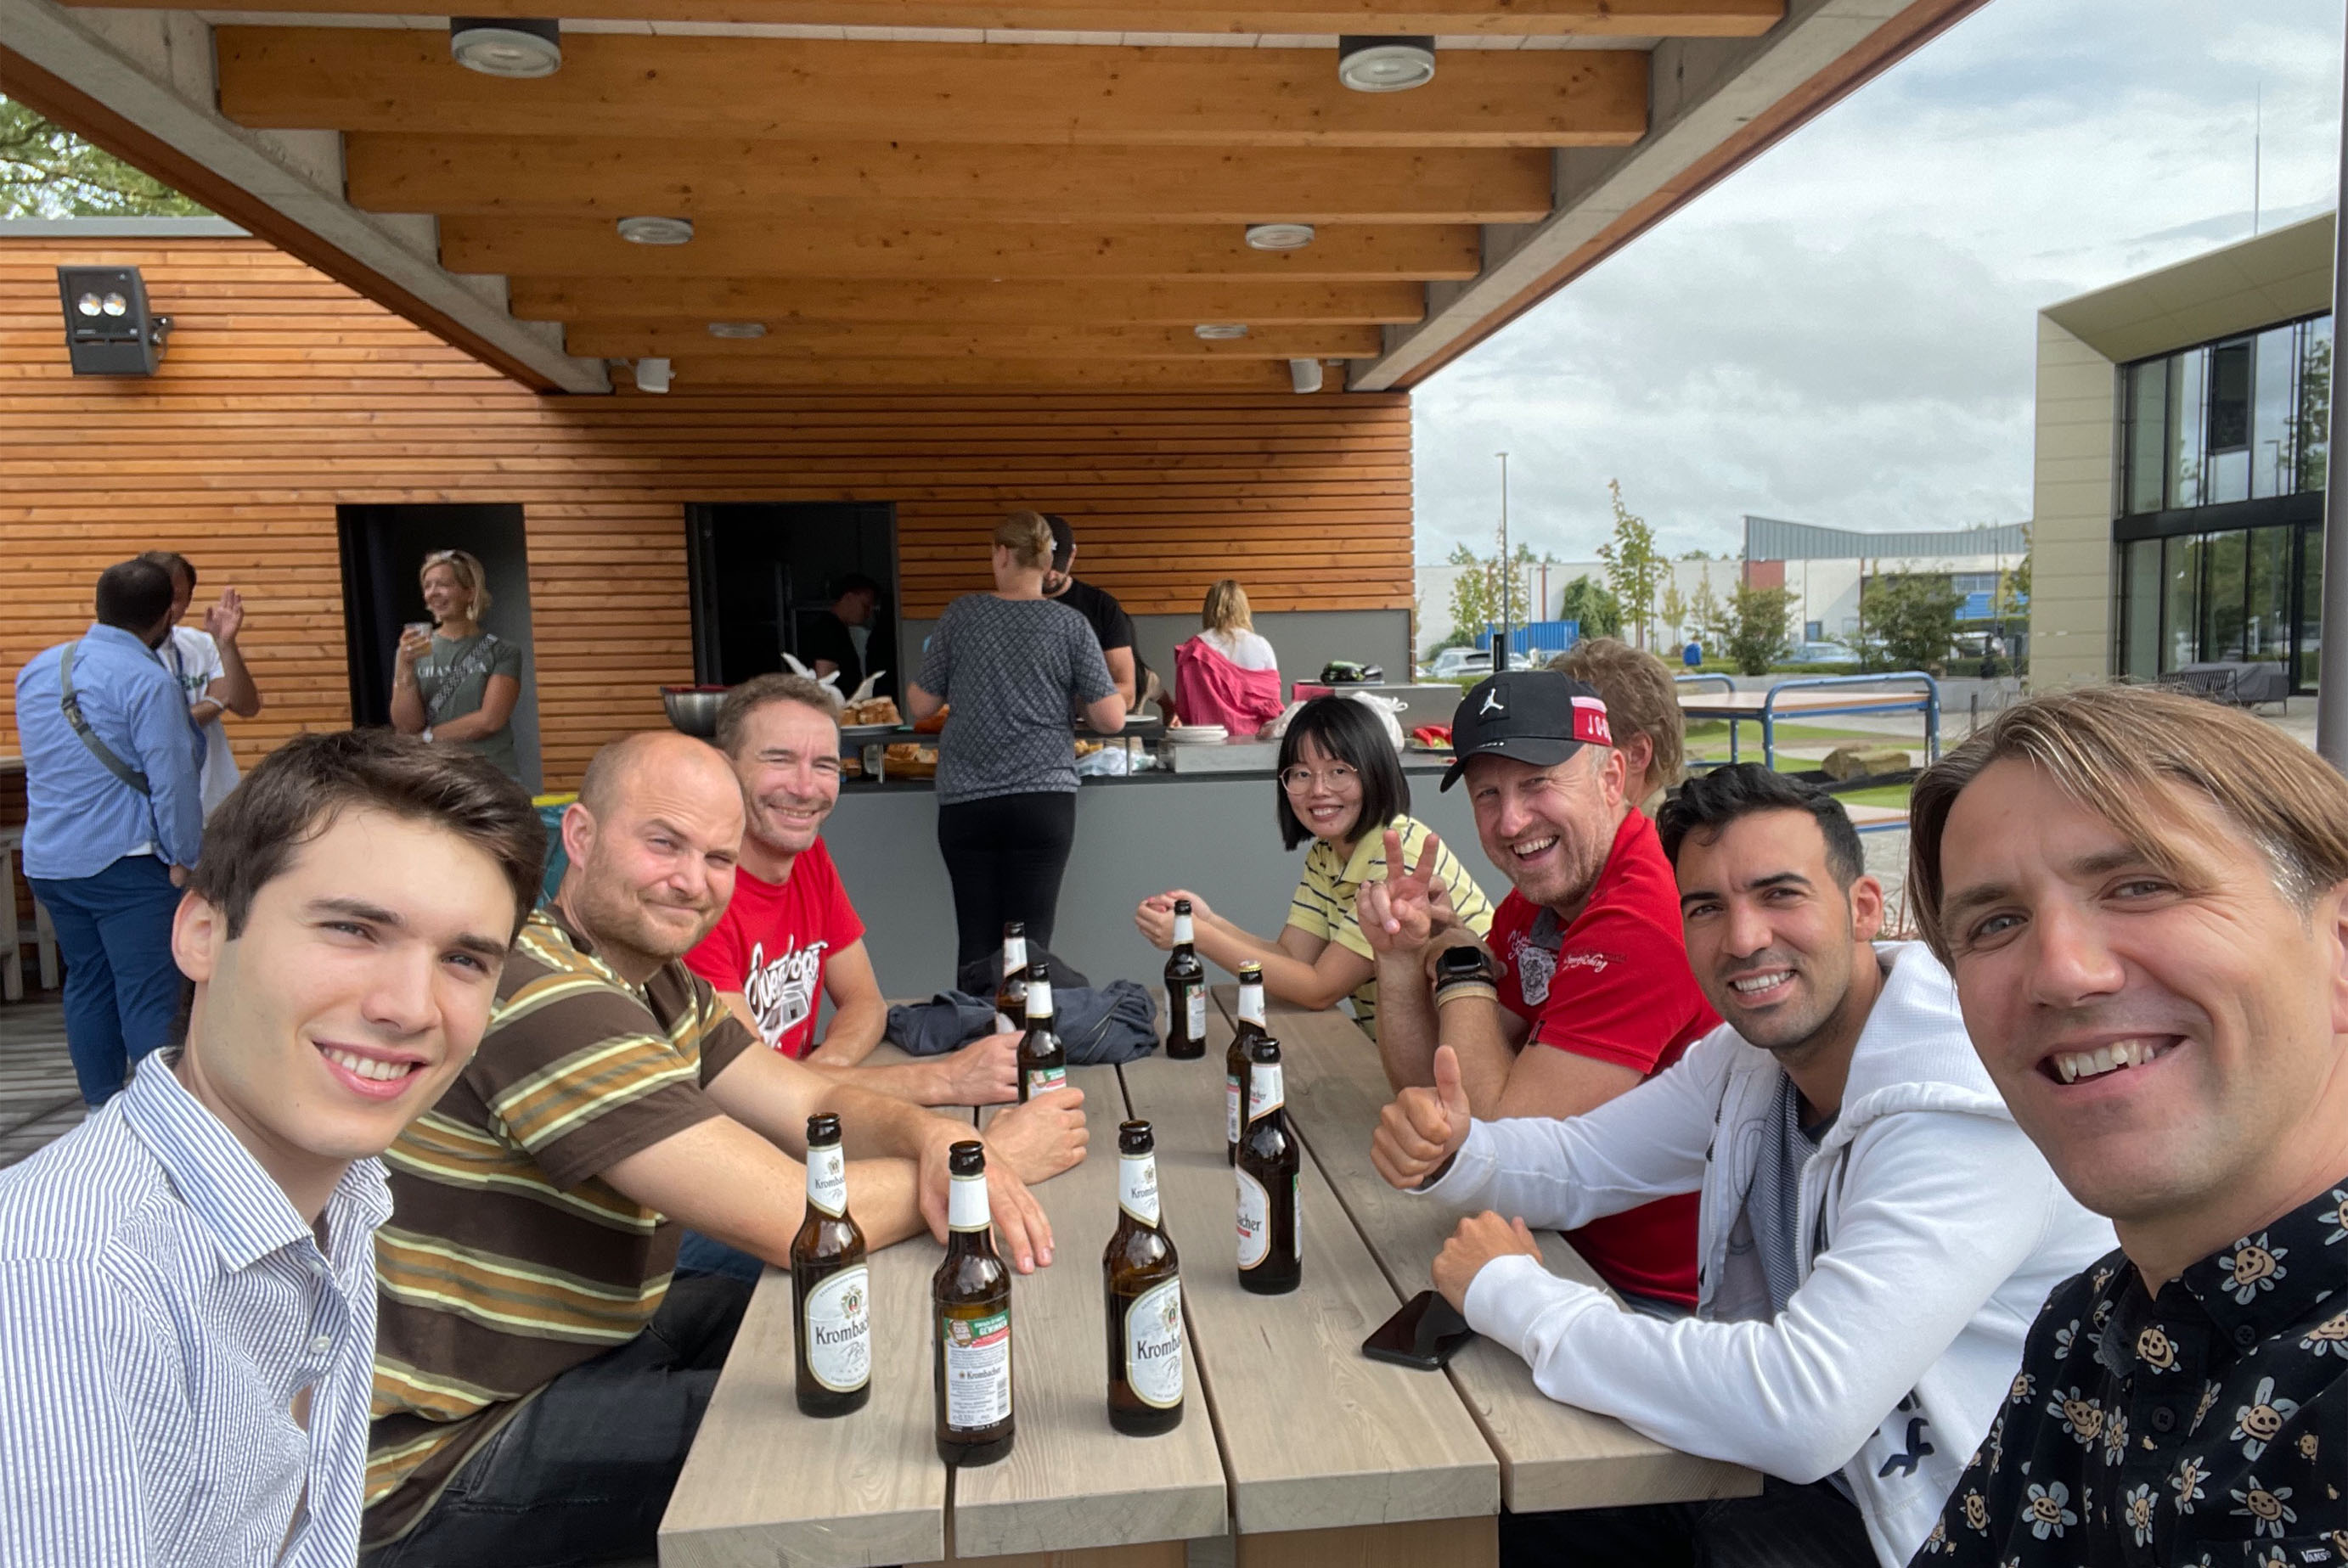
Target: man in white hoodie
{"points": [[1875, 1234]]}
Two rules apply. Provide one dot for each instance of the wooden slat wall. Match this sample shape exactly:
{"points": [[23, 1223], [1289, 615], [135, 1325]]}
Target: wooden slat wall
{"points": [[284, 394]]}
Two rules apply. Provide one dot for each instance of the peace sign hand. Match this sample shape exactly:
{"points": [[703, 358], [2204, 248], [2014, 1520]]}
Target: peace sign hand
{"points": [[1398, 914]]}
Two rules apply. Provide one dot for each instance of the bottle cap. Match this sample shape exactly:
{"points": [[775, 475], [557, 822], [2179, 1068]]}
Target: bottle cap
{"points": [[823, 1127], [967, 1159], [1134, 1138]]}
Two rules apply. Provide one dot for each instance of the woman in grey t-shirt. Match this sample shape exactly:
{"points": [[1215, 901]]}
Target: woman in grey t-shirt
{"points": [[458, 684], [1012, 663]]}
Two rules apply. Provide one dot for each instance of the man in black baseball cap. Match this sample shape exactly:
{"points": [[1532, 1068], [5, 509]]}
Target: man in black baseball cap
{"points": [[1583, 989], [1111, 625]]}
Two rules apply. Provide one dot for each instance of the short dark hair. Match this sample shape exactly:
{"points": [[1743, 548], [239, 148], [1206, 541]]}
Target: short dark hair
{"points": [[175, 563], [134, 595], [857, 582], [1710, 802], [1351, 734], [295, 793], [734, 709]]}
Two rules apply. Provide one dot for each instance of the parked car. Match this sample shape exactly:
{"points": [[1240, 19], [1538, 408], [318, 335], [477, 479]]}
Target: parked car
{"points": [[1453, 663], [1825, 653]]}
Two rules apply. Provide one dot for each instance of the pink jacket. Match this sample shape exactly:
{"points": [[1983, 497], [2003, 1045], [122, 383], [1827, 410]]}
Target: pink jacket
{"points": [[1209, 689]]}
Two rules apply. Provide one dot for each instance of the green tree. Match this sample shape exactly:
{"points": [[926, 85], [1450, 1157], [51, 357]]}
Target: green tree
{"points": [[1476, 590], [1634, 568], [1705, 617], [1674, 607], [1593, 604], [1753, 630], [1910, 620], [47, 171]]}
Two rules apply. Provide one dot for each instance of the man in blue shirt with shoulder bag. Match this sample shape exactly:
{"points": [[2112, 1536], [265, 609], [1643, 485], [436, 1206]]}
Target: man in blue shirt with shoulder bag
{"points": [[114, 818]]}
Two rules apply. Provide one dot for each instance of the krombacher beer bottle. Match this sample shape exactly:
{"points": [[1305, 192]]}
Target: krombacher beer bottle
{"points": [[1235, 1060], [1140, 1283], [1186, 992], [970, 1299], [832, 1290], [1042, 1059], [1270, 1168], [1010, 990]]}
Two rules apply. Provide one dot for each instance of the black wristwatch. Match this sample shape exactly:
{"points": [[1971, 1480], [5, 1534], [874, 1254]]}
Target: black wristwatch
{"points": [[1464, 971]]}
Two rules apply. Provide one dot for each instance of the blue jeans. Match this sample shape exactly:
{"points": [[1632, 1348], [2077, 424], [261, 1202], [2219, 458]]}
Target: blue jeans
{"points": [[699, 1255], [122, 988]]}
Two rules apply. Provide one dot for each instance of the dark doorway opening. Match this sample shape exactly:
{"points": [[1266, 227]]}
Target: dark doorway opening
{"points": [[383, 549], [764, 573]]}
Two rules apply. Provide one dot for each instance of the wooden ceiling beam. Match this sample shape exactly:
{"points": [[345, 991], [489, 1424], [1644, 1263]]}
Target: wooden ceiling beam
{"points": [[735, 248], [699, 301], [1041, 375], [401, 79], [1515, 19], [611, 177], [636, 340]]}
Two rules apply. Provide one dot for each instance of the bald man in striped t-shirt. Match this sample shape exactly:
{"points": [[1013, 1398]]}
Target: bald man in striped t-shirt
{"points": [[539, 1377]]}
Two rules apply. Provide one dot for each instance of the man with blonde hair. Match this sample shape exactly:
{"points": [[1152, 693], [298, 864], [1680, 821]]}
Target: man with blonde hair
{"points": [[2144, 901], [1643, 704]]}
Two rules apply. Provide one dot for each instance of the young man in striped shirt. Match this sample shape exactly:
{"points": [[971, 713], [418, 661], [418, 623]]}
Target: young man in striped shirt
{"points": [[187, 1279], [540, 1378]]}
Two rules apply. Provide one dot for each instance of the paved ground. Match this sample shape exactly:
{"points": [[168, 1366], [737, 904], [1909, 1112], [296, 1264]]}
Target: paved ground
{"points": [[38, 1100]]}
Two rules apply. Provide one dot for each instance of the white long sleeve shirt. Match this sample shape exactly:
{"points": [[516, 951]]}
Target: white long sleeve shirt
{"points": [[1943, 1229]]}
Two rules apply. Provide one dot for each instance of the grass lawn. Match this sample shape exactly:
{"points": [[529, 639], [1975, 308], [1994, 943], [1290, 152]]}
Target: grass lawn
{"points": [[1894, 795], [1795, 735]]}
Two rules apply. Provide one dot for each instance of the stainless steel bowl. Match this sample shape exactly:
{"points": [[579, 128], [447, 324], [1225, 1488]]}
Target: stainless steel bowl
{"points": [[693, 709]]}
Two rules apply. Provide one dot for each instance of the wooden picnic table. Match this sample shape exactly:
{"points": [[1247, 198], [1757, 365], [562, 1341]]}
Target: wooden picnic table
{"points": [[1292, 1440]]}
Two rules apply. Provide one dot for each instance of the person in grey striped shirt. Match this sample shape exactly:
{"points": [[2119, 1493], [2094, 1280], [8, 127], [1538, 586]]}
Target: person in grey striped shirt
{"points": [[187, 1279]]}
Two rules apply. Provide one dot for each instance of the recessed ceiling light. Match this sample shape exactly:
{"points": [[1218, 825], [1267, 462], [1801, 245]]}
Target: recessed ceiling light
{"points": [[1279, 236], [506, 45], [1220, 331], [1374, 63], [656, 231], [652, 374], [1304, 374], [737, 329]]}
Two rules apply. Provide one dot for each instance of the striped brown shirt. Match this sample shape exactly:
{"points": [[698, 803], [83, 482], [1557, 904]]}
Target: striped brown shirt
{"points": [[507, 1259]]}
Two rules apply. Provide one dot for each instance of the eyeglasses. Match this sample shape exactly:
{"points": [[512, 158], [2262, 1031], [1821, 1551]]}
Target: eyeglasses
{"points": [[1338, 779]]}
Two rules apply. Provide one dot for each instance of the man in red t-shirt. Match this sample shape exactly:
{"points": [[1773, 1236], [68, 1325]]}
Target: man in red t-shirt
{"points": [[791, 936], [1585, 955]]}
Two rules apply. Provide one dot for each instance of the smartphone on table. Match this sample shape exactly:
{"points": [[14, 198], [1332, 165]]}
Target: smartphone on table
{"points": [[1427, 1332]]}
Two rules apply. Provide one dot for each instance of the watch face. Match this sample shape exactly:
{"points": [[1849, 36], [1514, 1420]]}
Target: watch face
{"points": [[1462, 961]]}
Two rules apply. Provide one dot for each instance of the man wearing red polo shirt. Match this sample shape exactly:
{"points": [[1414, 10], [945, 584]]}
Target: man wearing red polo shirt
{"points": [[1585, 957]]}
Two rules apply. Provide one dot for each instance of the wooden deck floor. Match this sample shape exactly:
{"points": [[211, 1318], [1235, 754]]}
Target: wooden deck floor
{"points": [[38, 1098]]}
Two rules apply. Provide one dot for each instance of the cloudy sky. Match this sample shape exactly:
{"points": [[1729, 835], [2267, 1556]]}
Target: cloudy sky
{"points": [[1843, 331]]}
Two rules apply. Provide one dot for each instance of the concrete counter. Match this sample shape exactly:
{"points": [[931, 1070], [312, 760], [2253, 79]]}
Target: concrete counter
{"points": [[1212, 833]]}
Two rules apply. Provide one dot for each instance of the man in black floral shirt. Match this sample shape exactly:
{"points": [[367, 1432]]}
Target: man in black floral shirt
{"points": [[2144, 899]]}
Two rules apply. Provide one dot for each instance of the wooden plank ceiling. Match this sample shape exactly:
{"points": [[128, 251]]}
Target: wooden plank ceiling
{"points": [[902, 208]]}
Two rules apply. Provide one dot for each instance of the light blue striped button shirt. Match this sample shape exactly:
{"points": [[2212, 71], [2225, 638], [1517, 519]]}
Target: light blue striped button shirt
{"points": [[161, 1304]]}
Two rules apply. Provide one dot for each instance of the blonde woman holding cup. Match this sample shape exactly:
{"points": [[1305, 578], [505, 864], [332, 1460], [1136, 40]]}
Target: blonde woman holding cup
{"points": [[451, 682]]}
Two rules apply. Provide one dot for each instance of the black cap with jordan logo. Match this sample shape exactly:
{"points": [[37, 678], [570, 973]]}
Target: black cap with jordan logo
{"points": [[1536, 716]]}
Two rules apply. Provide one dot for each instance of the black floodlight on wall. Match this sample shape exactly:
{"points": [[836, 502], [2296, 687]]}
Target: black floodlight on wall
{"points": [[109, 330]]}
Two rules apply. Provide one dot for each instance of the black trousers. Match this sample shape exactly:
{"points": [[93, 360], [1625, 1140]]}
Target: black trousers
{"points": [[1787, 1526], [1005, 854], [581, 1474]]}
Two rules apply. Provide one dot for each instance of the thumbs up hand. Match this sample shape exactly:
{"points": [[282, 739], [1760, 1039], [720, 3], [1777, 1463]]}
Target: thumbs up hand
{"points": [[1419, 1132]]}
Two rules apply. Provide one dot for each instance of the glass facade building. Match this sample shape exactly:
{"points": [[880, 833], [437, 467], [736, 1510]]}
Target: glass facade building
{"points": [[2219, 503]]}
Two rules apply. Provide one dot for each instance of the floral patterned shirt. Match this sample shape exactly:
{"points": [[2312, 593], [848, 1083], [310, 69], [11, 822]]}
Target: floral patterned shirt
{"points": [[2205, 1426]]}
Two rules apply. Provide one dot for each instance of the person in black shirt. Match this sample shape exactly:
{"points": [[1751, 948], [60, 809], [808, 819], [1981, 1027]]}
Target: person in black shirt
{"points": [[2144, 899], [827, 640], [1100, 610]]}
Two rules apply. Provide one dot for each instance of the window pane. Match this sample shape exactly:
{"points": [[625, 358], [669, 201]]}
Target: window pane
{"points": [[2266, 633], [2221, 624], [2230, 396], [2148, 435], [2273, 368], [2311, 601], [2182, 611], [2184, 440], [2140, 609], [2315, 401]]}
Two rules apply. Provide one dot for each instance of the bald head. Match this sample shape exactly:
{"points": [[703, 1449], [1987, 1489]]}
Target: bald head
{"points": [[652, 843]]}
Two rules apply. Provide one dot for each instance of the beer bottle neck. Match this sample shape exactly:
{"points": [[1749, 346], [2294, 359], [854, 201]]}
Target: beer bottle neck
{"points": [[966, 1207], [826, 1179], [1137, 1187], [1014, 955], [1039, 1001], [1265, 1091], [1183, 935], [1252, 1002]]}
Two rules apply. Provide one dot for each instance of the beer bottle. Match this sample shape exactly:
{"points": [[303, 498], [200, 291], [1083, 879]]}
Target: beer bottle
{"points": [[1271, 1181], [1010, 990], [1140, 1285], [1042, 1059], [1186, 992], [1235, 1060], [970, 1299], [831, 1289]]}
